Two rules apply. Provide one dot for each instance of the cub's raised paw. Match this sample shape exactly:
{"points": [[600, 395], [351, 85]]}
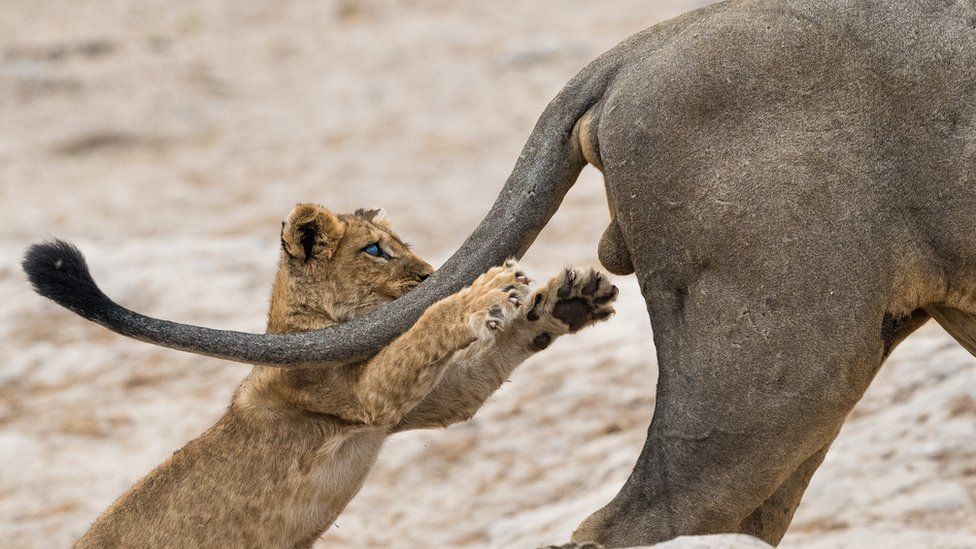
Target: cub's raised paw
{"points": [[577, 298], [494, 300]]}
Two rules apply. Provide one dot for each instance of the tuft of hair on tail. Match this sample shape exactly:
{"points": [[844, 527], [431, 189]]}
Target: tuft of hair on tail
{"points": [[58, 271]]}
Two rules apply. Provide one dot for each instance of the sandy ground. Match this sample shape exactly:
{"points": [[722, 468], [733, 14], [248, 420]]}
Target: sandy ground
{"points": [[169, 138]]}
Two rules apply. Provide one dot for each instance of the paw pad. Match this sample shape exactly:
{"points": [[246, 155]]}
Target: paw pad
{"points": [[541, 341], [534, 312], [582, 297]]}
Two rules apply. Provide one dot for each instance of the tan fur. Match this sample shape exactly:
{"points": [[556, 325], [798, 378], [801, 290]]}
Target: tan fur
{"points": [[585, 133], [295, 445]]}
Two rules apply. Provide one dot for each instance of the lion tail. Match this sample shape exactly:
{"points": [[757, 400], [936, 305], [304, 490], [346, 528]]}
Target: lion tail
{"points": [[547, 168]]}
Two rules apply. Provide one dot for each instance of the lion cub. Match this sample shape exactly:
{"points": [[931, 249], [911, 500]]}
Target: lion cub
{"points": [[295, 445]]}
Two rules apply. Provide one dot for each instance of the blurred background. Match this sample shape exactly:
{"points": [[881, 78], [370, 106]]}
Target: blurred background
{"points": [[168, 139]]}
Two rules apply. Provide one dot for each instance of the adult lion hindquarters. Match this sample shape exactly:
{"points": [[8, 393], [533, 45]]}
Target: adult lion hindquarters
{"points": [[790, 210]]}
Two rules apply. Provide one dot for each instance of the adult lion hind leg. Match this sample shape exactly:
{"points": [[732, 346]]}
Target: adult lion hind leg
{"points": [[753, 382], [771, 520], [960, 324]]}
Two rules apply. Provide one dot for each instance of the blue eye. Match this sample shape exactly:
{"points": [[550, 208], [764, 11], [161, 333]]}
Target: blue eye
{"points": [[373, 250]]}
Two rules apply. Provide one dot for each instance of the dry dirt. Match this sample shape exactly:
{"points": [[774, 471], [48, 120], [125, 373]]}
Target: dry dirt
{"points": [[169, 138]]}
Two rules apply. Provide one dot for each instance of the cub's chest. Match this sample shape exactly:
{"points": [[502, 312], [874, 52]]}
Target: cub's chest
{"points": [[342, 462]]}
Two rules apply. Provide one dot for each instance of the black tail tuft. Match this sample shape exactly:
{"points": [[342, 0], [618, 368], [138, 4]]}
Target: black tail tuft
{"points": [[58, 271]]}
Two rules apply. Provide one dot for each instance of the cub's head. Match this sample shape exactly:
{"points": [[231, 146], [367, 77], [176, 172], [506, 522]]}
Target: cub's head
{"points": [[335, 267]]}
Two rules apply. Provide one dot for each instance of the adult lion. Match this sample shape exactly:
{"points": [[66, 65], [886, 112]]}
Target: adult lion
{"points": [[791, 182]]}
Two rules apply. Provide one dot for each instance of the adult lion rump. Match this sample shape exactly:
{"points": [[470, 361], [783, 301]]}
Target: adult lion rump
{"points": [[791, 183]]}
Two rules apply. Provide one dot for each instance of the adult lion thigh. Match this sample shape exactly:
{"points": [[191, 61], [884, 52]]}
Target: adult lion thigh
{"points": [[772, 518], [761, 358]]}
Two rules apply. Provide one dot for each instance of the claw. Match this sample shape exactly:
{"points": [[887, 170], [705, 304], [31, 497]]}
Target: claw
{"points": [[593, 285], [567, 286], [492, 324], [603, 299]]}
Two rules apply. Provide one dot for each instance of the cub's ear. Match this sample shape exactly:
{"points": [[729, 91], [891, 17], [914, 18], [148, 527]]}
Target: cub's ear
{"points": [[376, 215], [311, 232]]}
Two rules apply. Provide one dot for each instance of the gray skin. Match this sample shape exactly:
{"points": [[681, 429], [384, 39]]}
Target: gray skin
{"points": [[791, 183]]}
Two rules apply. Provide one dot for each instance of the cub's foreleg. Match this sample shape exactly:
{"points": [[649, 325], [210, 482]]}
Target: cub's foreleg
{"points": [[567, 303], [403, 373]]}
